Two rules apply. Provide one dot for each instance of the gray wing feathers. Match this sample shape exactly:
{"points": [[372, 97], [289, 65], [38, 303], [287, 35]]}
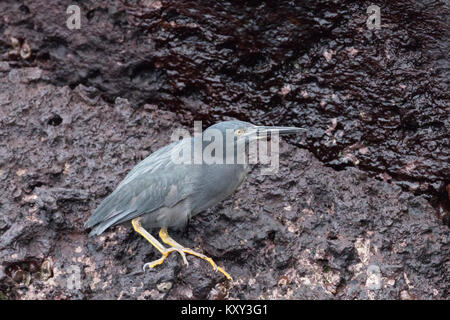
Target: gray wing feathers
{"points": [[153, 183], [139, 196]]}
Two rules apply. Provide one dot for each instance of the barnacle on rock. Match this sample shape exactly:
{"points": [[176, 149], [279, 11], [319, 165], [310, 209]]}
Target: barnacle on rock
{"points": [[46, 270]]}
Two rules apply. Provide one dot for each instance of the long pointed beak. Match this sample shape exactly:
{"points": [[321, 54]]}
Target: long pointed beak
{"points": [[265, 130]]}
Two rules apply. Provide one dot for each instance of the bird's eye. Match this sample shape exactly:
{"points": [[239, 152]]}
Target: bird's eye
{"points": [[238, 132]]}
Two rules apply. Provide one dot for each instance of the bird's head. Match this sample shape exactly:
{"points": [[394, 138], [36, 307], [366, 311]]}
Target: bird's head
{"points": [[245, 132], [228, 141]]}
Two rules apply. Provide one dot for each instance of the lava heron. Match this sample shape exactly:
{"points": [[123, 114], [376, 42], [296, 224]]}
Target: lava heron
{"points": [[162, 191]]}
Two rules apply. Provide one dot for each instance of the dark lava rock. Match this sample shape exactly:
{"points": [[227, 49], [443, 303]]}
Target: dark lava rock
{"points": [[328, 234], [376, 99]]}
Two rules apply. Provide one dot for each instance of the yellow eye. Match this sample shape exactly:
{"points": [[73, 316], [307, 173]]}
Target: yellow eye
{"points": [[238, 132]]}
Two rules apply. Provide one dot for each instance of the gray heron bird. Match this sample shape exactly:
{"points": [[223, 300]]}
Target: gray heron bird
{"points": [[164, 192]]}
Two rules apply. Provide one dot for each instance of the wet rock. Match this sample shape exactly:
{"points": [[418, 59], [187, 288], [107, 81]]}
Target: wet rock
{"points": [[372, 99], [4, 225], [25, 75], [4, 66], [321, 234], [2, 274]]}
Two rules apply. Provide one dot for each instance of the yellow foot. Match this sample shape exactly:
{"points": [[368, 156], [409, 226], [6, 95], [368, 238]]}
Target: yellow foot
{"points": [[182, 251], [211, 261], [174, 246], [165, 254]]}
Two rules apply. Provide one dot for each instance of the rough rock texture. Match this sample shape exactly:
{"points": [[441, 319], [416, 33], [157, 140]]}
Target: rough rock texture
{"points": [[305, 232], [377, 99], [79, 108]]}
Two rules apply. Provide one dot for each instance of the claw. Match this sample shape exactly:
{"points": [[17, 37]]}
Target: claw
{"points": [[221, 270], [182, 254], [174, 246], [165, 254], [154, 263]]}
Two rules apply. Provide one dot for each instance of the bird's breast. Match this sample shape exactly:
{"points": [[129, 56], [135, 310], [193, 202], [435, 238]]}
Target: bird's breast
{"points": [[217, 183]]}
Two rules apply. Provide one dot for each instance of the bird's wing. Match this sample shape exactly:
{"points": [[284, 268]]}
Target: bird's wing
{"points": [[159, 159], [153, 183]]}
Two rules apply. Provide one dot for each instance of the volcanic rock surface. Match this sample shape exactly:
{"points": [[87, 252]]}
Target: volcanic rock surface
{"points": [[356, 210]]}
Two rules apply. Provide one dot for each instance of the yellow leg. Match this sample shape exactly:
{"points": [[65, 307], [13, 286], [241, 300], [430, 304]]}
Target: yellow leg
{"points": [[164, 235], [164, 251]]}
